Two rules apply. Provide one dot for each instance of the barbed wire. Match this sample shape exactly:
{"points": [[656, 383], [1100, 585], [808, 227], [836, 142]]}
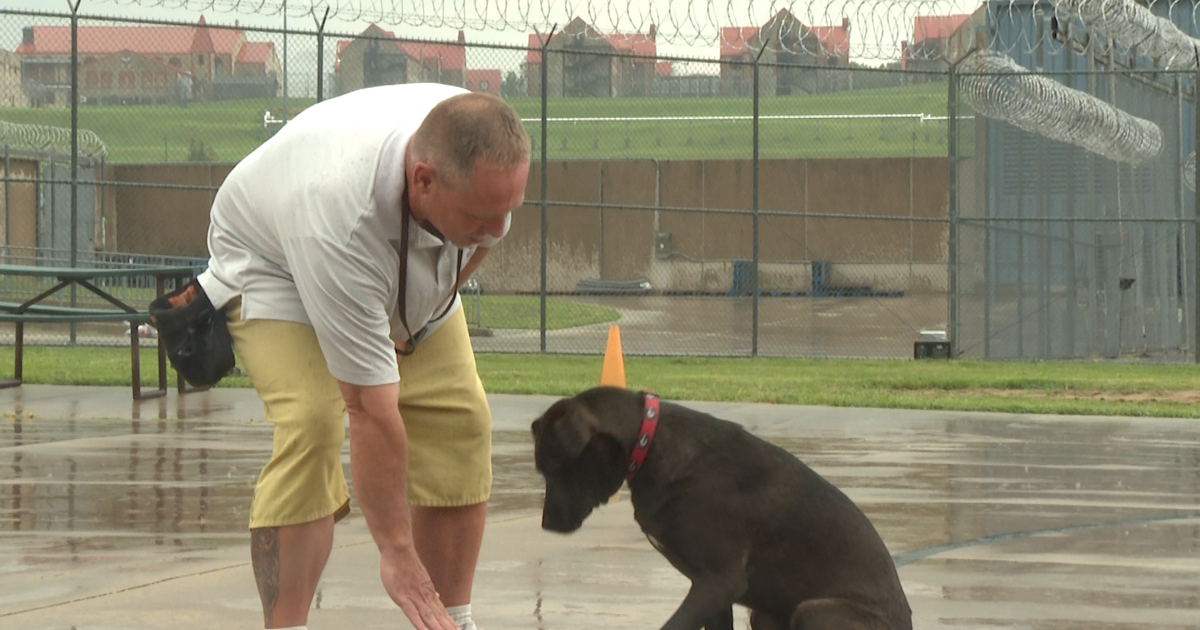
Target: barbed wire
{"points": [[875, 28], [47, 139], [1006, 91]]}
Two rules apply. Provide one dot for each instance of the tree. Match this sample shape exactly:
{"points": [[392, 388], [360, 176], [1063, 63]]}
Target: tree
{"points": [[514, 83]]}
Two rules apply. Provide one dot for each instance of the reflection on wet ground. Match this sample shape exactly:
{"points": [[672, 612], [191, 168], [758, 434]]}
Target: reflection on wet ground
{"points": [[995, 520], [171, 480], [880, 328]]}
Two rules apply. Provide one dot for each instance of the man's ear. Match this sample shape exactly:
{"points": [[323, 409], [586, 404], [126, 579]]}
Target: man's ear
{"points": [[423, 176], [576, 429]]}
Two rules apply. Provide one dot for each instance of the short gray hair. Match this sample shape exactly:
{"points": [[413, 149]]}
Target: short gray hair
{"points": [[469, 127]]}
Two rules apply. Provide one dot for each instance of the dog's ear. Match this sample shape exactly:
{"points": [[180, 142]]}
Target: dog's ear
{"points": [[576, 429]]}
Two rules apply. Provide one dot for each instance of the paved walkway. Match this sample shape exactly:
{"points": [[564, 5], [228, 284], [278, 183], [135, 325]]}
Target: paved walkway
{"points": [[123, 515]]}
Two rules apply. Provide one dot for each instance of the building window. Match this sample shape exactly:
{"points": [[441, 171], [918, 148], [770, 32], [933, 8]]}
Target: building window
{"points": [[199, 60], [218, 67], [483, 86], [175, 63]]}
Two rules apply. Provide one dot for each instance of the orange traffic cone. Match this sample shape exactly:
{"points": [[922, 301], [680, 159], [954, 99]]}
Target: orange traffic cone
{"points": [[613, 373]]}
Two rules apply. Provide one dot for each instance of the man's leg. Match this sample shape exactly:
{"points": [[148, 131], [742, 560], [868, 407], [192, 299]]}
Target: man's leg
{"points": [[448, 541], [302, 490], [449, 424], [287, 563]]}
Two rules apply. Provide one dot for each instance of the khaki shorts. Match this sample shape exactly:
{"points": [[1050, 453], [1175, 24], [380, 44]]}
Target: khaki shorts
{"points": [[442, 402]]}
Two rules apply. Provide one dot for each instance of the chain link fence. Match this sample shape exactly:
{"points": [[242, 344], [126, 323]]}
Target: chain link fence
{"points": [[777, 200], [1075, 227]]}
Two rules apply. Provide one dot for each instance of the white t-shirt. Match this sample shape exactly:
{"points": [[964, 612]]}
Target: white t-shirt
{"points": [[307, 229]]}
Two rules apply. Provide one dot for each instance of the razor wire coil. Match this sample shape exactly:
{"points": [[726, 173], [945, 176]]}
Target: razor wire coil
{"points": [[1001, 89], [1136, 27], [47, 139]]}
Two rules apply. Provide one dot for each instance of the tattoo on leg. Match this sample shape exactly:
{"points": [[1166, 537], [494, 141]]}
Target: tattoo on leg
{"points": [[264, 556]]}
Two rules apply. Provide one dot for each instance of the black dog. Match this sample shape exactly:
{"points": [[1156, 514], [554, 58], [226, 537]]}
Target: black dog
{"points": [[744, 520]]}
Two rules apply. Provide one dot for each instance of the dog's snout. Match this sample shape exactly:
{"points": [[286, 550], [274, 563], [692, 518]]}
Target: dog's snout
{"points": [[558, 525], [557, 517]]}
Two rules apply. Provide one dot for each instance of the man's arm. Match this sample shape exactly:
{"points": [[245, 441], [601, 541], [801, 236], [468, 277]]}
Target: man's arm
{"points": [[379, 468]]}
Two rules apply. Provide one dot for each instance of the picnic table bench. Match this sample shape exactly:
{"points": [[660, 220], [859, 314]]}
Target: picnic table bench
{"points": [[34, 310]]}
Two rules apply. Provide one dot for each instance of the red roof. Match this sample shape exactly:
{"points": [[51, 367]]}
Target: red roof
{"points": [[453, 57], [663, 68], [936, 26], [637, 44], [141, 40], [834, 39], [224, 41], [105, 40], [535, 48], [476, 78], [735, 40], [256, 52], [201, 42]]}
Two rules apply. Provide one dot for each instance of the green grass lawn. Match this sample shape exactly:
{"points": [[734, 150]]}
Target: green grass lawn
{"points": [[163, 133], [1045, 387], [488, 311], [229, 130], [525, 313]]}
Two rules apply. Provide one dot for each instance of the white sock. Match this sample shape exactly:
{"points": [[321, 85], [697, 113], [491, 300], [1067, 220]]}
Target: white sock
{"points": [[461, 616]]}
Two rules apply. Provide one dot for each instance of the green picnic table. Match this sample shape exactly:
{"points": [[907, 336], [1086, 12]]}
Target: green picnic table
{"points": [[34, 310]]}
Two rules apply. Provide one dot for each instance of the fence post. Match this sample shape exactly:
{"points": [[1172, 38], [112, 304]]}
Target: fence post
{"points": [[754, 206], [545, 43], [103, 216], [51, 215], [285, 68], [1196, 220], [952, 318], [74, 150], [7, 207], [321, 53]]}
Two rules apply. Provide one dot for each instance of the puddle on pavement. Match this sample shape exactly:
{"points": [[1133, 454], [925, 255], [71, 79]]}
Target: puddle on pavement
{"points": [[174, 481]]}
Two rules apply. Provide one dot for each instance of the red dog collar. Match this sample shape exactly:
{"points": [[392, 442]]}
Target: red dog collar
{"points": [[645, 436]]}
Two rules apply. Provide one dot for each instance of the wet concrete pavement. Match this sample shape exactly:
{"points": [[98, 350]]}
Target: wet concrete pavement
{"points": [[864, 327], [123, 515]]}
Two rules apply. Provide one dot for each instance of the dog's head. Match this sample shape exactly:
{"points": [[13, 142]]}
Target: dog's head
{"points": [[582, 462]]}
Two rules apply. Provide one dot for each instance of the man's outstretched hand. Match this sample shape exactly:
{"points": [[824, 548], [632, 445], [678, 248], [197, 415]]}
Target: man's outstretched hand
{"points": [[407, 582]]}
